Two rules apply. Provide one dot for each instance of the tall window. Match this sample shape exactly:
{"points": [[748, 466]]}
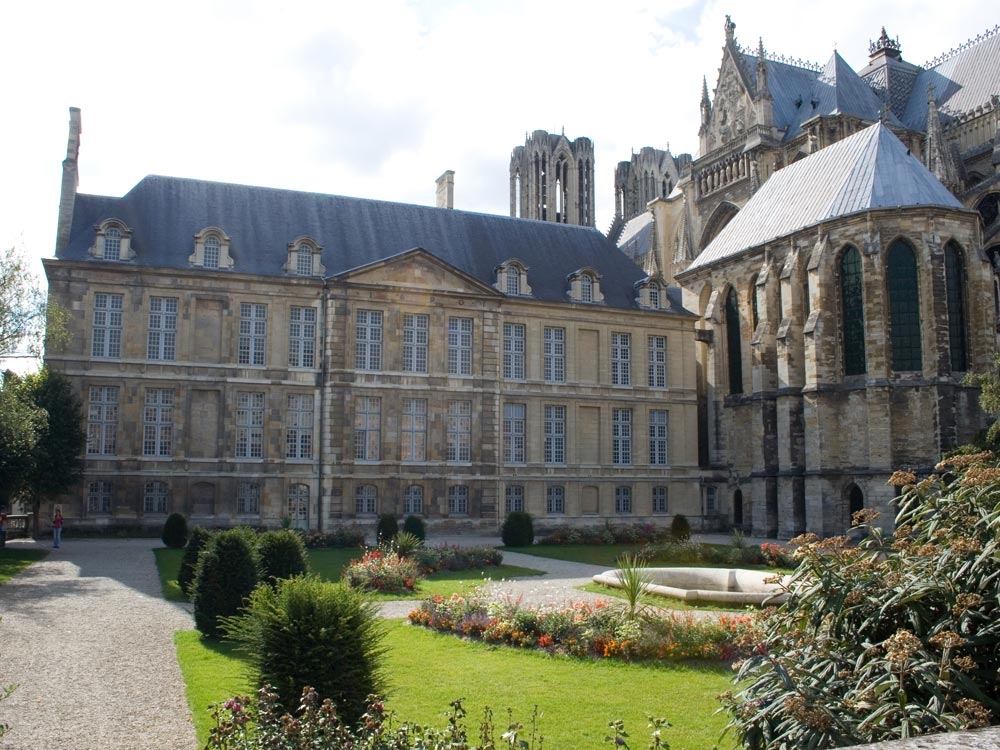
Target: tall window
{"points": [[154, 497], [415, 343], [365, 500], [249, 425], [555, 434], [658, 437], [514, 496], [367, 426], [513, 433], [586, 288], [555, 499], [657, 361], [659, 499], [654, 296], [212, 250], [554, 354], [414, 430], [298, 502], [253, 333], [734, 349], [248, 499], [368, 340], [459, 432], [108, 325], [853, 305], [102, 420], [621, 359], [299, 426], [459, 346], [904, 307], [302, 337], [513, 351], [99, 497], [112, 244], [413, 500], [158, 422], [513, 277], [458, 500], [623, 500], [304, 260], [954, 272], [621, 436], [161, 342]]}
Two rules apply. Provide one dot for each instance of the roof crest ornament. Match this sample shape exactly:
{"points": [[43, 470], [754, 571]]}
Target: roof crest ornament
{"points": [[971, 42], [797, 62], [885, 43], [730, 30]]}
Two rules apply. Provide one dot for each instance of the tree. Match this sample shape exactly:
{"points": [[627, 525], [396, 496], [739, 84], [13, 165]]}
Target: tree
{"points": [[21, 423], [989, 399], [22, 308]]}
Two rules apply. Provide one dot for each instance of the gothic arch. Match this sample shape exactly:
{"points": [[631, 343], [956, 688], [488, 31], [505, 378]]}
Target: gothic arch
{"points": [[852, 310], [734, 341], [955, 303], [903, 291], [988, 208], [854, 500], [722, 215]]}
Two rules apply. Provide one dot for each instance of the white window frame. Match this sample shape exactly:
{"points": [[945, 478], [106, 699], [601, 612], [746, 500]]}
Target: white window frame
{"points": [[299, 419], [154, 498], [368, 340], [365, 500], [253, 334], [302, 337], [158, 422], [107, 330], [659, 433], [459, 432], [459, 346], [249, 424], [621, 358], [514, 420], [555, 500], [657, 361], [102, 420], [211, 252], [416, 328], [161, 336], [248, 499], [413, 429], [367, 428], [514, 498], [458, 500], [661, 499], [514, 335], [554, 354], [621, 437], [100, 496], [555, 434], [623, 500], [413, 500], [297, 502], [304, 261]]}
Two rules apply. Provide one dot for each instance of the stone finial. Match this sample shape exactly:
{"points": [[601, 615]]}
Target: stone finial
{"points": [[730, 30], [884, 45]]}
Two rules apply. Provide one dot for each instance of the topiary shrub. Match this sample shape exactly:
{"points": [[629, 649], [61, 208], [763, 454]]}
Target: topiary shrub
{"points": [[281, 554], [308, 632], [518, 530], [680, 529], [415, 525], [224, 577], [197, 541], [175, 531], [387, 528]]}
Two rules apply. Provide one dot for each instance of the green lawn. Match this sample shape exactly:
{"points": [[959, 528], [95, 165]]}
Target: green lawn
{"points": [[13, 560], [576, 698]]}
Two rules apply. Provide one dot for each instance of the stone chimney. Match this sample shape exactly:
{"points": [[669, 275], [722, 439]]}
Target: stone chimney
{"points": [[70, 180], [446, 190]]}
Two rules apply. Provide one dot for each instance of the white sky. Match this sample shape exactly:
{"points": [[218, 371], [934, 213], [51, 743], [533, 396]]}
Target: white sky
{"points": [[377, 98]]}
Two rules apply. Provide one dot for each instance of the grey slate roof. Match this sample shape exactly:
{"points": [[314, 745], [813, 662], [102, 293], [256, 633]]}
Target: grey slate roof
{"points": [[870, 169], [636, 239], [164, 214]]}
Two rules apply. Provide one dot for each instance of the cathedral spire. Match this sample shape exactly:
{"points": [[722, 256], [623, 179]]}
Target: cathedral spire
{"points": [[938, 156], [706, 116]]}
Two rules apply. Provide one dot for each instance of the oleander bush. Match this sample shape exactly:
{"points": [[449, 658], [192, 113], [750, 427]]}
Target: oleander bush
{"points": [[518, 530], [384, 570], [175, 531], [894, 637], [197, 540], [224, 577], [281, 554], [415, 525]]}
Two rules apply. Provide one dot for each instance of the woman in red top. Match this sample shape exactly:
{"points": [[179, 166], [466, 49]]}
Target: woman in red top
{"points": [[57, 524]]}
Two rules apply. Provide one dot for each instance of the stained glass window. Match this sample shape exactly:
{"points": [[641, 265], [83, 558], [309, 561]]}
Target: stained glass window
{"points": [[853, 302], [904, 307]]}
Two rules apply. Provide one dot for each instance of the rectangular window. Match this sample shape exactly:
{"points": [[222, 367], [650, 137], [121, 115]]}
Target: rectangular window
{"points": [[299, 426], [154, 498], [158, 422], [367, 426], [249, 425], [657, 361], [302, 337], [211, 252], [303, 261], [162, 335], [621, 357], [459, 346], [555, 434], [102, 420], [513, 351], [413, 500], [108, 310], [513, 433], [368, 340], [710, 501], [555, 500], [248, 499], [658, 424], [621, 436], [659, 499], [298, 502], [458, 500], [515, 498], [414, 430], [253, 333], [623, 500], [415, 342], [366, 500], [99, 497], [459, 431], [554, 354]]}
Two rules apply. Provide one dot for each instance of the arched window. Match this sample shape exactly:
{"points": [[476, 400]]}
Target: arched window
{"points": [[212, 248], [954, 279], [654, 296], [904, 307], [733, 348], [112, 244], [754, 309], [413, 498], [855, 501], [853, 310], [304, 260], [513, 281], [586, 288]]}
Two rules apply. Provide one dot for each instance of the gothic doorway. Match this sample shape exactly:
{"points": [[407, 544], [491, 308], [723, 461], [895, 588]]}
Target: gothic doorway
{"points": [[855, 501], [738, 509]]}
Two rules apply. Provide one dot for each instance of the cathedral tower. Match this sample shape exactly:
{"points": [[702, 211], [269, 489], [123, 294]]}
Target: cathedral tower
{"points": [[552, 179]]}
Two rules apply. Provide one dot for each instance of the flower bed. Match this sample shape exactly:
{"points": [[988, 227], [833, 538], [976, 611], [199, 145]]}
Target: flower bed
{"points": [[637, 533], [383, 570]]}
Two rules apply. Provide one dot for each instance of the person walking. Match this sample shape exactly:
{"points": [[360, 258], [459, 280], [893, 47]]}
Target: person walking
{"points": [[57, 524]]}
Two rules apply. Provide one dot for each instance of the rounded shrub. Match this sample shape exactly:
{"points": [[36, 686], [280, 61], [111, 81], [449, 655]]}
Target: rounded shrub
{"points": [[175, 531], [308, 632], [415, 525], [224, 577], [197, 540], [281, 554], [387, 528], [518, 530], [680, 529]]}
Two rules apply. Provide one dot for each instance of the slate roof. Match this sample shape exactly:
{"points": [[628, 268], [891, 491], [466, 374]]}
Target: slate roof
{"points": [[636, 239], [164, 214], [870, 169]]}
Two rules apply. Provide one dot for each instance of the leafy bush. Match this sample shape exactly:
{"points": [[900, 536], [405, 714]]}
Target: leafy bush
{"points": [[175, 531], [383, 569], [308, 632], [415, 525], [281, 554], [636, 533], [891, 638], [444, 557], [224, 577], [680, 529], [342, 536], [518, 530], [406, 544], [197, 541], [387, 528]]}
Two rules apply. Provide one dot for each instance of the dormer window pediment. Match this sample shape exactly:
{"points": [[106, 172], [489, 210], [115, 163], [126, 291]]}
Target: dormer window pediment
{"points": [[304, 258], [112, 241], [212, 250], [652, 293], [585, 286], [512, 279]]}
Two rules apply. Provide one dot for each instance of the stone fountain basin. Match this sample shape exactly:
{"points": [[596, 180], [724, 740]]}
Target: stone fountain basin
{"points": [[722, 585]]}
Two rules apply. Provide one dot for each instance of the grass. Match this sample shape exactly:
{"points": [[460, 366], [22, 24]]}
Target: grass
{"points": [[14, 560], [576, 698]]}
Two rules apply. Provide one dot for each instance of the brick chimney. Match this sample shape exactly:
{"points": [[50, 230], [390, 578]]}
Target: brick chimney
{"points": [[446, 190], [70, 180]]}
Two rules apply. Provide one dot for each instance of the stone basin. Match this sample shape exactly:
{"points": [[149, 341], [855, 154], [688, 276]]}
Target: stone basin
{"points": [[721, 585]]}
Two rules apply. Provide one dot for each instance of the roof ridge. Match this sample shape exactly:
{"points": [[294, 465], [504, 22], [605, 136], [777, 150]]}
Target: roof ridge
{"points": [[795, 62], [970, 42]]}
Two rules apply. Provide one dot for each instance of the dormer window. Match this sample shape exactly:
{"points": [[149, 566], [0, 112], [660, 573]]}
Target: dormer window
{"points": [[654, 296], [304, 258], [652, 293], [304, 263], [211, 250], [512, 279], [112, 241], [585, 286], [113, 244], [210, 257]]}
